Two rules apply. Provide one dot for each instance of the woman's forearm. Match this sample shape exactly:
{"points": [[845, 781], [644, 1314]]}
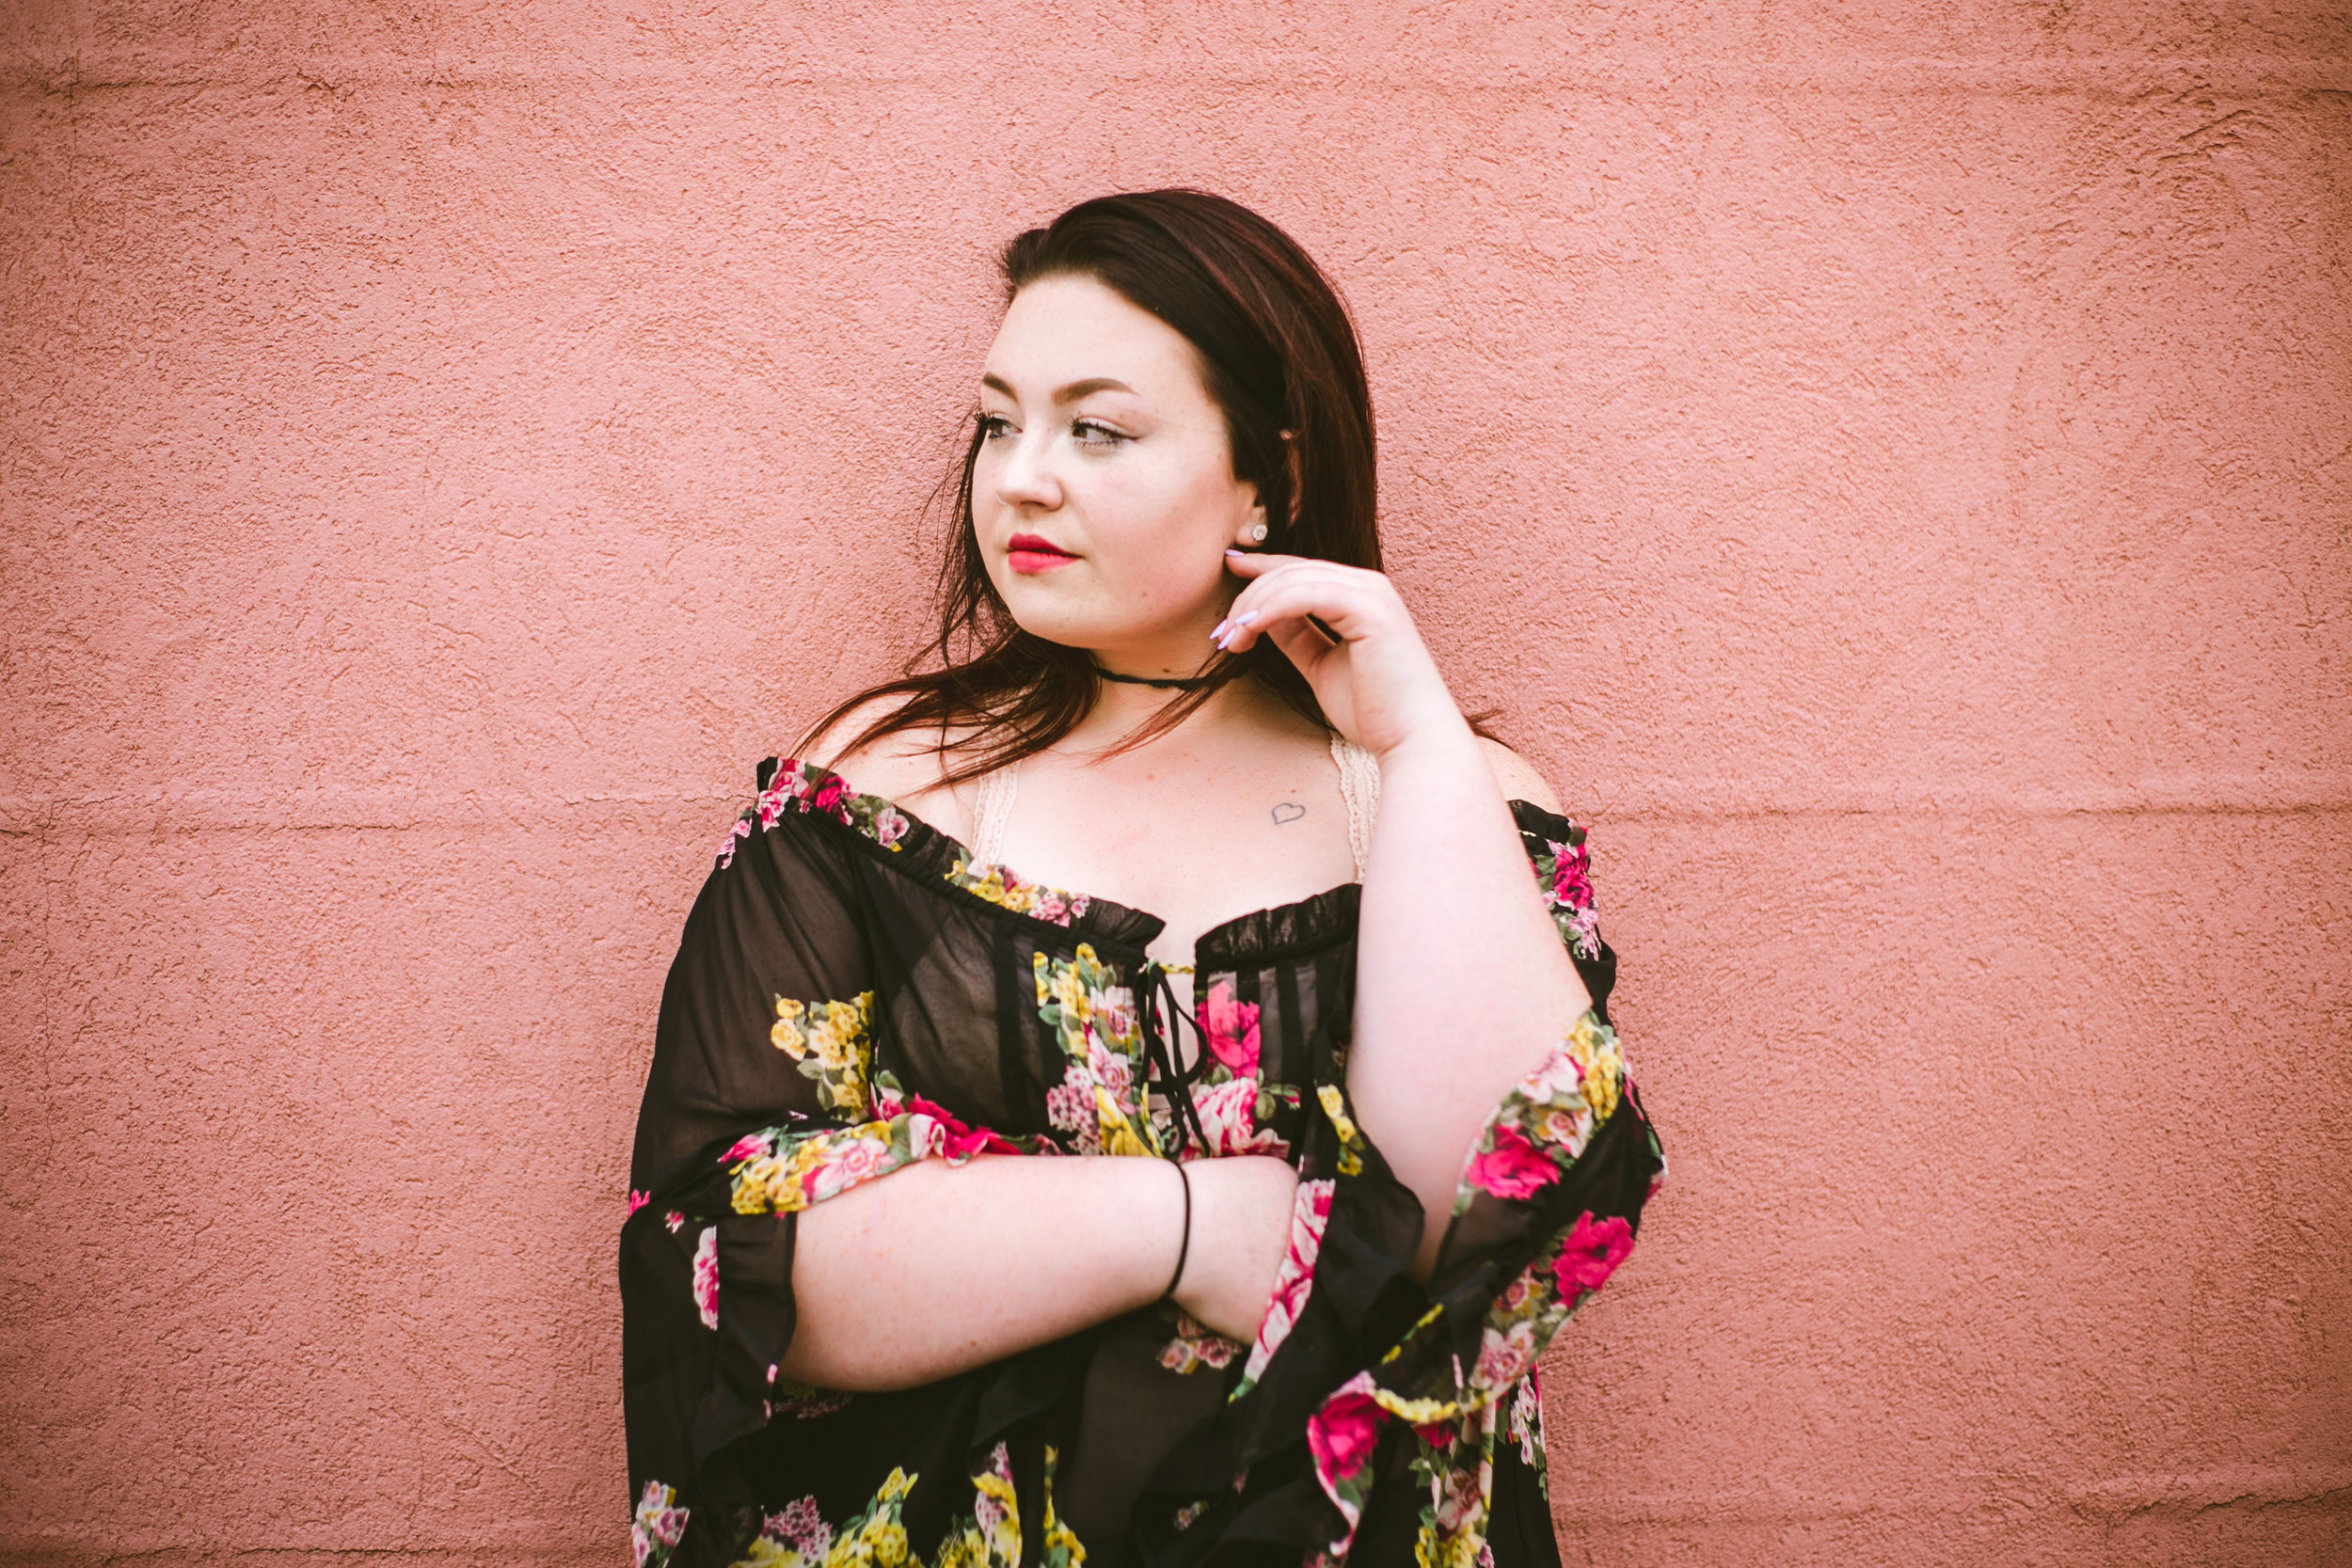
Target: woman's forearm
{"points": [[936, 1269], [1462, 984]]}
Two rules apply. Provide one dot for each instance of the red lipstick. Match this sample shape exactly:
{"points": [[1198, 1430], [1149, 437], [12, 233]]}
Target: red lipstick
{"points": [[1029, 554]]}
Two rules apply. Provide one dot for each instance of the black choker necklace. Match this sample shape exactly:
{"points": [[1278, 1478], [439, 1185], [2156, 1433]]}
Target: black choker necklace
{"points": [[1195, 683]]}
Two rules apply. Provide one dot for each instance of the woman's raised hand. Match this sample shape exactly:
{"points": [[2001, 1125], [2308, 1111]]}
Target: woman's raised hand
{"points": [[1241, 1229], [1378, 683]]}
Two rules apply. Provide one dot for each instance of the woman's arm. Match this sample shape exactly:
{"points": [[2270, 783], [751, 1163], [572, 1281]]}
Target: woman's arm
{"points": [[935, 1270], [1462, 984]]}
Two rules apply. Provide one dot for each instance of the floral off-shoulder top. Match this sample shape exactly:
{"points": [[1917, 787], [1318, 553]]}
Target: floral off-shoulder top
{"points": [[853, 994]]}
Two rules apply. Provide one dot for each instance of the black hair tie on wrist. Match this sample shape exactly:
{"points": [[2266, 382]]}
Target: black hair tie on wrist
{"points": [[1185, 1251]]}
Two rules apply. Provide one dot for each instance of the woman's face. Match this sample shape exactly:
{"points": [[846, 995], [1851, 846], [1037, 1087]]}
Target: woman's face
{"points": [[1103, 496]]}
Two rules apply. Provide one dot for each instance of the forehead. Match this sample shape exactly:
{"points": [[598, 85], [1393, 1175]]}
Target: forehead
{"points": [[1062, 330]]}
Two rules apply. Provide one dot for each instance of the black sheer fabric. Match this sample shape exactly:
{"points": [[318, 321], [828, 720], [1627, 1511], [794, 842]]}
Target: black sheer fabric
{"points": [[852, 994]]}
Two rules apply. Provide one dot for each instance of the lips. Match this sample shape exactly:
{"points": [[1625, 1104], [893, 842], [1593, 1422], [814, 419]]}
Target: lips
{"points": [[1030, 554]]}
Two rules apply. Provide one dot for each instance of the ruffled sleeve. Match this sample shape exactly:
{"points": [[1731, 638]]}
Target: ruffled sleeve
{"points": [[1367, 1415], [761, 1100]]}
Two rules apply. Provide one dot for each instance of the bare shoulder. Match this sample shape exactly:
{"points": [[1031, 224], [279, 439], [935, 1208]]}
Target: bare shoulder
{"points": [[897, 765], [1518, 782]]}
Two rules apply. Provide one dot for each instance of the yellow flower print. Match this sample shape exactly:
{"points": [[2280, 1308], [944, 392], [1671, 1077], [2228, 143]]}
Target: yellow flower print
{"points": [[878, 1540], [1351, 1141], [1595, 1050], [1419, 1413], [833, 1043], [1453, 1549], [963, 1549], [1118, 1130], [1063, 1549]]}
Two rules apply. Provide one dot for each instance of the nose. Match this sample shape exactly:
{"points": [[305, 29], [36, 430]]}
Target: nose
{"points": [[1024, 476]]}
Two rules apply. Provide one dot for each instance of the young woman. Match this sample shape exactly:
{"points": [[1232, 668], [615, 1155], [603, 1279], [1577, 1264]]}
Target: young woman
{"points": [[1341, 1131]]}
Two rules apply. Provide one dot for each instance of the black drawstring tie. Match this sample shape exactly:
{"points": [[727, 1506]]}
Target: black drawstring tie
{"points": [[1159, 1054]]}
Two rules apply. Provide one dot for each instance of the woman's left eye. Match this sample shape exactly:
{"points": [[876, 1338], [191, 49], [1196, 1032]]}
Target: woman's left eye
{"points": [[1092, 434]]}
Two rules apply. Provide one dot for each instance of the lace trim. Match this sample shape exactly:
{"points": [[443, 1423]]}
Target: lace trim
{"points": [[1359, 786]]}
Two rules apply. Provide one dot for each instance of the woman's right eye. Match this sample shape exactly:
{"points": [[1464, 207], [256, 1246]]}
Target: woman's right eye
{"points": [[994, 425]]}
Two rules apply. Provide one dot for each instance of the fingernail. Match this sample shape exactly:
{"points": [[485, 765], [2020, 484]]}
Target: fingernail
{"points": [[1230, 550], [1219, 631], [1245, 620]]}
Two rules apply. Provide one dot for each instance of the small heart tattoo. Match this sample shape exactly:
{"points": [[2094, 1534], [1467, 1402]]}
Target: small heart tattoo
{"points": [[1289, 811]]}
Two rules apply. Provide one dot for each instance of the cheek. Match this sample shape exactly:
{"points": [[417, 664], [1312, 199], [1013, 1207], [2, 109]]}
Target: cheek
{"points": [[984, 469]]}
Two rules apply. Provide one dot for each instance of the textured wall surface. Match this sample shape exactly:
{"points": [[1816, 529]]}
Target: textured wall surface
{"points": [[1891, 461]]}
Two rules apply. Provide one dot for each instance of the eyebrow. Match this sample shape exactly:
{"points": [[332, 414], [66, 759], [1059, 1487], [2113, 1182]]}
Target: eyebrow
{"points": [[1071, 393]]}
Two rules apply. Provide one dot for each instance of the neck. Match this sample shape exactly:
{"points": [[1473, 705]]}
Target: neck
{"points": [[1158, 683], [1122, 706]]}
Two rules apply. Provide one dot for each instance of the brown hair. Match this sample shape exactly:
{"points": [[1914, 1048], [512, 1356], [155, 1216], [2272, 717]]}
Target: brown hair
{"points": [[1280, 358]]}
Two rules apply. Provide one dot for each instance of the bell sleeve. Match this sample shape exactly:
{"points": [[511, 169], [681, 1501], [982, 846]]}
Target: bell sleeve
{"points": [[761, 1100], [1401, 1390]]}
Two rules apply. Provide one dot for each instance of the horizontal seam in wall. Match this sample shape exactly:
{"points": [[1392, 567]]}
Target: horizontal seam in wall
{"points": [[1482, 74], [81, 821]]}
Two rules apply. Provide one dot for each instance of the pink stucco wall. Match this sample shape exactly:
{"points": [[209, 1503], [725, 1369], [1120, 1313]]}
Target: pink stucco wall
{"points": [[1892, 462]]}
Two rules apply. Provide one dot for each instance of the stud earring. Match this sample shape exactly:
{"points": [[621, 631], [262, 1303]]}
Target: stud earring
{"points": [[1257, 533]]}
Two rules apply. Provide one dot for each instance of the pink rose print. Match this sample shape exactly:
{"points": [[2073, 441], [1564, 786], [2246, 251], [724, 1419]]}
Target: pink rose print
{"points": [[1587, 925], [707, 1276], [990, 1511], [1513, 1168], [890, 826], [1556, 1077], [1463, 1501], [1503, 1358], [1571, 875], [752, 1146], [1592, 1253], [727, 848], [657, 1523], [801, 1527], [1070, 1106], [1116, 1007], [1564, 1130], [926, 1138], [1310, 1215], [1232, 1029], [957, 1140], [827, 798], [1228, 1115], [848, 1164], [638, 1200], [1113, 1072], [673, 1220], [1342, 1436]]}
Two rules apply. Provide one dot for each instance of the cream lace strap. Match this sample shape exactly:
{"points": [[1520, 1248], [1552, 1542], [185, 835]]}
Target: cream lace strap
{"points": [[992, 804], [1359, 786]]}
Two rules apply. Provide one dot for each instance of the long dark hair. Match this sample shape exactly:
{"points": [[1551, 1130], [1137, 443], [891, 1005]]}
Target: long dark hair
{"points": [[1280, 358]]}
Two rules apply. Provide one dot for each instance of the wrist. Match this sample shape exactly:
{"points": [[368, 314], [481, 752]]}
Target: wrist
{"points": [[1183, 1246], [1444, 740]]}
